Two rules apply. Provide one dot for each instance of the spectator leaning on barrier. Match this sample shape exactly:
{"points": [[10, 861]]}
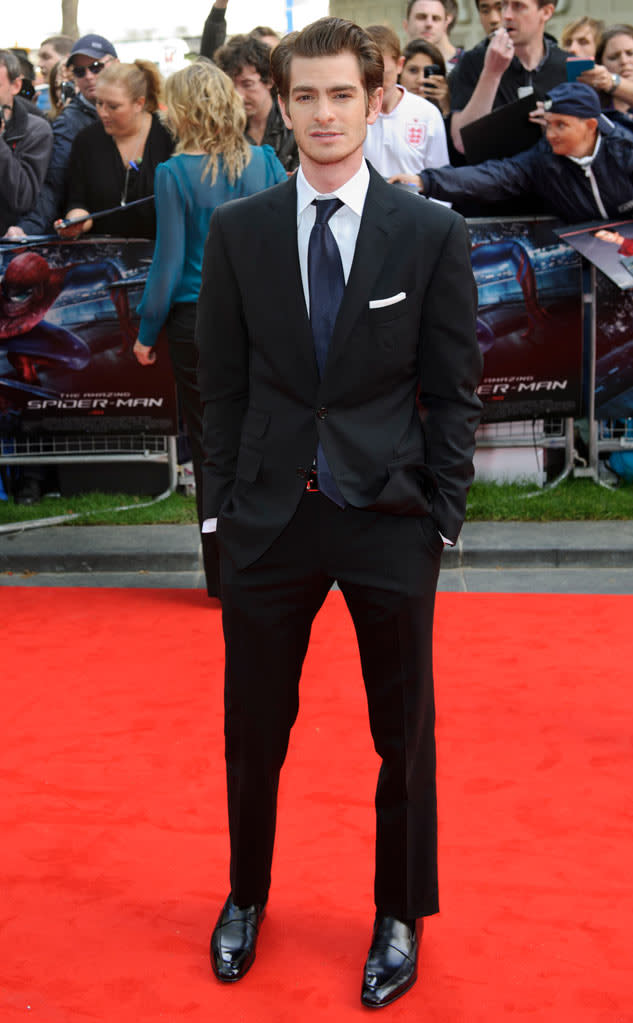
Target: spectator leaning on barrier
{"points": [[89, 56], [409, 131], [112, 163], [26, 141], [582, 169], [246, 60], [517, 59], [433, 20]]}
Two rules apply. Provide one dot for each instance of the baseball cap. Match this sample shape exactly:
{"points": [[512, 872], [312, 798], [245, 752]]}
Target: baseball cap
{"points": [[573, 98], [92, 46]]}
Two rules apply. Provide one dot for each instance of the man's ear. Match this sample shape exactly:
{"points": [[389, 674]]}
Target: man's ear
{"points": [[374, 104], [284, 113], [16, 85], [548, 10], [400, 64]]}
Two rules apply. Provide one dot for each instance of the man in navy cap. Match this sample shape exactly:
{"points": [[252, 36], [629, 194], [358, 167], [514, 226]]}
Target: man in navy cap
{"points": [[87, 59], [581, 170]]}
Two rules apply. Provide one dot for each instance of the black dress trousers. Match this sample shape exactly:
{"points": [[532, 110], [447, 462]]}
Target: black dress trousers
{"points": [[386, 567]]}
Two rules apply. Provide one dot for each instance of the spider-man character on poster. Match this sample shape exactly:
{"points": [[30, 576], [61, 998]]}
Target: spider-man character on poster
{"points": [[67, 327]]}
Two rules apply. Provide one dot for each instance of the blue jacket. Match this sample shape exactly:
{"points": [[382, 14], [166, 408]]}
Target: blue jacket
{"points": [[50, 205], [569, 191]]}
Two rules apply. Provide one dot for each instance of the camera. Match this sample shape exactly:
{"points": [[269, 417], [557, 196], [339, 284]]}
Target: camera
{"points": [[27, 89], [67, 91], [432, 69]]}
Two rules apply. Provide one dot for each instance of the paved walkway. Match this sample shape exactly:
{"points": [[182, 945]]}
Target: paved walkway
{"points": [[554, 557]]}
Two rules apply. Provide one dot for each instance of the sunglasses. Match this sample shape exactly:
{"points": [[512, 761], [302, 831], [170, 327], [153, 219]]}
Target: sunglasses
{"points": [[95, 68]]}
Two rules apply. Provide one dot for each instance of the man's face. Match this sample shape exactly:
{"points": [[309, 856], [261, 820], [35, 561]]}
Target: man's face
{"points": [[427, 20], [582, 43], [87, 84], [255, 93], [47, 58], [328, 109], [571, 136], [525, 21], [490, 15], [8, 90]]}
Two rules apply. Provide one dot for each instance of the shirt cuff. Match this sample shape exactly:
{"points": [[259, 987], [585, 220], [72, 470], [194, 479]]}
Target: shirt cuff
{"points": [[209, 525]]}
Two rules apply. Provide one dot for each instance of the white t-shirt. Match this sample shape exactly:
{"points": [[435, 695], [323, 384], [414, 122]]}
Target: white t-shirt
{"points": [[409, 139]]}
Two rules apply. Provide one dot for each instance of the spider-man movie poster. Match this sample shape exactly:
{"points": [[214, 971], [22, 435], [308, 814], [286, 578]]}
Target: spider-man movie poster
{"points": [[614, 350], [609, 247], [67, 327], [529, 324]]}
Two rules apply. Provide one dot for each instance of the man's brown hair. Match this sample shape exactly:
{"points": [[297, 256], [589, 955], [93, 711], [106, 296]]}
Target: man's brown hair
{"points": [[328, 37], [386, 40]]}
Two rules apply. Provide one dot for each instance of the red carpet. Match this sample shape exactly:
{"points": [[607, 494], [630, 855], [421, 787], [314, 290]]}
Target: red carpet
{"points": [[114, 853]]}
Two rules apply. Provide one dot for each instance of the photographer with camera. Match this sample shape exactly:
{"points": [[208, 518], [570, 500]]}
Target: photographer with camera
{"points": [[88, 57], [26, 141]]}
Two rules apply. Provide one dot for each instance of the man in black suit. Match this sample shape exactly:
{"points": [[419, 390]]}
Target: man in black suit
{"points": [[330, 306]]}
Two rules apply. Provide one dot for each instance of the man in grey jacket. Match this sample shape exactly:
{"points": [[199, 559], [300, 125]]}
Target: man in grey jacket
{"points": [[26, 141], [88, 57]]}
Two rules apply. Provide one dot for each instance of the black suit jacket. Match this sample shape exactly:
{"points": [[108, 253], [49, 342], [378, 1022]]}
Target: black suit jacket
{"points": [[265, 406]]}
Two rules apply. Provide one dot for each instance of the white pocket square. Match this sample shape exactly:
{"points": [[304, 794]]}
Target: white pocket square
{"points": [[380, 303]]}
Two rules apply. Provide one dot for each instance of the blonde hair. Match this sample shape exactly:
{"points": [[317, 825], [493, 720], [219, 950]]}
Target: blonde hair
{"points": [[141, 80], [205, 112]]}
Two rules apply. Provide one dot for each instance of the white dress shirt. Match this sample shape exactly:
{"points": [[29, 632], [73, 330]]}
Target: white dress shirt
{"points": [[344, 224]]}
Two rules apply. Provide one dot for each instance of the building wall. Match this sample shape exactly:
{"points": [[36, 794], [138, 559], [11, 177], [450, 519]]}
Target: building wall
{"points": [[468, 29]]}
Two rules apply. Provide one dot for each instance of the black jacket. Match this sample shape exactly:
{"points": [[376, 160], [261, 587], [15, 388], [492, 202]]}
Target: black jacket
{"points": [[25, 150], [213, 33], [551, 71], [265, 404], [97, 180], [280, 138], [51, 203], [566, 189]]}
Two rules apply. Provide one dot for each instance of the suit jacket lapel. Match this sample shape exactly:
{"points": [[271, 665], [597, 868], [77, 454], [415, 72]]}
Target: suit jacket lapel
{"points": [[369, 258], [281, 263]]}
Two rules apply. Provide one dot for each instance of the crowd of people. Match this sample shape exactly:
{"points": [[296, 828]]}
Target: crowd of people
{"points": [[82, 153], [73, 150]]}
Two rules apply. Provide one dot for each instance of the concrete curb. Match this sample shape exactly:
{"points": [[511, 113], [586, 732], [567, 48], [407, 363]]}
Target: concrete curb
{"points": [[165, 549]]}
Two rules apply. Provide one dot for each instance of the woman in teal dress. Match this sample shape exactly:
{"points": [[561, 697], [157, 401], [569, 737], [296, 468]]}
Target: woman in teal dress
{"points": [[212, 164]]}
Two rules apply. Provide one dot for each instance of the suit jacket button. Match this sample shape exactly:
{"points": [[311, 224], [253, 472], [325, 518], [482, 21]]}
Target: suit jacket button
{"points": [[322, 412]]}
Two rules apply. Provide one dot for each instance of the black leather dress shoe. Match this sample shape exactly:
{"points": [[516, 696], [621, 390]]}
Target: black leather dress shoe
{"points": [[392, 963], [233, 940]]}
